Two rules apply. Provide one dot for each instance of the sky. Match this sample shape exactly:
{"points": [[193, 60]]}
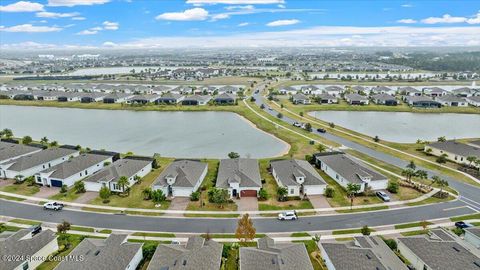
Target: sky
{"points": [[142, 24]]}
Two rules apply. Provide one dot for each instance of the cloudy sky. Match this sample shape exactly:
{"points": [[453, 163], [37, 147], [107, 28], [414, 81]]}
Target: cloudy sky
{"points": [[236, 23]]}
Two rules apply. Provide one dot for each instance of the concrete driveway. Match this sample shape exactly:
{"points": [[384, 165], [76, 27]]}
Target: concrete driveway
{"points": [[46, 192], [86, 197], [6, 182], [247, 204], [319, 201], [179, 203]]}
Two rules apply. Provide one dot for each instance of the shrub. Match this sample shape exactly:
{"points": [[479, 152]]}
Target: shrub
{"points": [[63, 189], [195, 196], [158, 196], [391, 243], [282, 194], [393, 187], [366, 230], [104, 194], [442, 159], [458, 231], [329, 192], [30, 181], [263, 194], [79, 187]]}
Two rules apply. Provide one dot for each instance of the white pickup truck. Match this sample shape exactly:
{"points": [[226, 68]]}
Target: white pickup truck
{"points": [[53, 206]]}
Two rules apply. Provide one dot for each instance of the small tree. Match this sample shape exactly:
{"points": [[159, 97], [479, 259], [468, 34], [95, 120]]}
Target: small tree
{"points": [[53, 144], [332, 125], [104, 194], [282, 193], [442, 159], [352, 190], [64, 189], [63, 227], [158, 196], [308, 127], [366, 230], [245, 230], [233, 155], [195, 196], [408, 173], [44, 140], [376, 139], [7, 133], [263, 194], [147, 193], [79, 187], [412, 165], [393, 186], [321, 148], [442, 139], [421, 174], [27, 140], [280, 115], [218, 196], [30, 181], [123, 182], [329, 192], [440, 182]]}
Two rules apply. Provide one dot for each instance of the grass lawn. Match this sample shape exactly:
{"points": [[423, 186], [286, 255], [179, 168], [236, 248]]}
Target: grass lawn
{"points": [[230, 236], [107, 231], [431, 200], [413, 233], [152, 234], [376, 208], [22, 189], [24, 221], [73, 239], [349, 231], [11, 198], [300, 234], [135, 198], [412, 225], [231, 262], [69, 196], [82, 229], [314, 254], [466, 217], [4, 227]]}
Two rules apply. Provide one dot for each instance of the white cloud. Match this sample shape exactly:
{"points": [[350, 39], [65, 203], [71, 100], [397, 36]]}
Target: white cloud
{"points": [[194, 14], [78, 18], [110, 25], [71, 3], [281, 6], [247, 7], [54, 15], [88, 32], [407, 5], [407, 21], [474, 20], [22, 6], [283, 22], [243, 24], [109, 44], [28, 28], [234, 2], [444, 19], [220, 16]]}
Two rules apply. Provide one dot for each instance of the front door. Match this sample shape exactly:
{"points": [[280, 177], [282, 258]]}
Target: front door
{"points": [[234, 193], [170, 191]]}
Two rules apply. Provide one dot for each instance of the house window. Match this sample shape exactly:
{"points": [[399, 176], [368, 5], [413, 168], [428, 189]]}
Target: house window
{"points": [[336, 176], [292, 191]]}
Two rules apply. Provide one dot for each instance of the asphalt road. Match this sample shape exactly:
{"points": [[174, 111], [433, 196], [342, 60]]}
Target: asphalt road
{"points": [[228, 225]]}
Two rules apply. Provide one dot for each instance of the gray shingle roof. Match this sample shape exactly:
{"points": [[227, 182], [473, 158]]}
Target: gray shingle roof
{"points": [[474, 230], [112, 253], [242, 170], [451, 98], [21, 244], [457, 148], [119, 168], [355, 97], [197, 254], [75, 165], [364, 253], [13, 150], [300, 96], [383, 97], [287, 169], [442, 254], [35, 159], [187, 173], [270, 256], [349, 169]]}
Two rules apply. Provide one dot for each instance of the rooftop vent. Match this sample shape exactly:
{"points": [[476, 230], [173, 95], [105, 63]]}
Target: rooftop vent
{"points": [[97, 252]]}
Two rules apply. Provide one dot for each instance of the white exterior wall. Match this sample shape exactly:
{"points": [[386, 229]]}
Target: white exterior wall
{"points": [[337, 177], [135, 260], [91, 186], [181, 191], [450, 156], [293, 191], [328, 262], [380, 184], [42, 253], [473, 103], [314, 190], [131, 180], [472, 239], [32, 171]]}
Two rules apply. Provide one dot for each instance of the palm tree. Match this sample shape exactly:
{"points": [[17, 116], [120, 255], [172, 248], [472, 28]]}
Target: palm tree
{"points": [[421, 174], [352, 190], [321, 148], [54, 143], [440, 182], [408, 173], [147, 193], [44, 140], [411, 165], [123, 181]]}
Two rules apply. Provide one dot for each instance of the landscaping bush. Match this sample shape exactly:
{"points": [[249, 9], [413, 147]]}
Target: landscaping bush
{"points": [[393, 187], [263, 195], [441, 159], [30, 181], [366, 230], [329, 192], [391, 243], [63, 189], [79, 187], [458, 231], [104, 194], [195, 196], [158, 196]]}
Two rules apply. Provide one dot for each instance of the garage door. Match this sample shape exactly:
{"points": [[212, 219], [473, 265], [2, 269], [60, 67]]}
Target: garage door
{"points": [[56, 183], [248, 193]]}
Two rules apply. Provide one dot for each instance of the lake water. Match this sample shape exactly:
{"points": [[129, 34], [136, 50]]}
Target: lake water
{"points": [[405, 127], [109, 70], [171, 134]]}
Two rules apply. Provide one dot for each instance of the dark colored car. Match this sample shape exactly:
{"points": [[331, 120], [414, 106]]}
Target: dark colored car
{"points": [[462, 224], [321, 130], [36, 229]]}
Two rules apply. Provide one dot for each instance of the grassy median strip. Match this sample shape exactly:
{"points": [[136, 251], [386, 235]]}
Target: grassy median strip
{"points": [[82, 229], [465, 217], [4, 227], [413, 233], [10, 198], [412, 225], [153, 234], [229, 236], [366, 209], [349, 231], [24, 221], [300, 234]]}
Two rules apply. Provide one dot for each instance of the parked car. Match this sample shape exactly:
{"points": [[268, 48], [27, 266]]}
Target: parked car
{"points": [[297, 124], [53, 206], [321, 130], [175, 242], [463, 225], [36, 229], [382, 195], [288, 215]]}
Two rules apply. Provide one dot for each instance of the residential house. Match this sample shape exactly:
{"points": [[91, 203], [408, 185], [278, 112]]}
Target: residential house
{"points": [[422, 102], [362, 253], [308, 89], [161, 89], [464, 92], [196, 100], [300, 99], [29, 165], [454, 151], [143, 99], [225, 98], [92, 97], [356, 99], [16, 249], [170, 98], [240, 176], [288, 90], [325, 98], [382, 90], [129, 167], [385, 99], [117, 97], [474, 101], [9, 151], [269, 256], [334, 90], [439, 250], [452, 101], [68, 97], [409, 91], [298, 176], [198, 254], [228, 89], [435, 91], [472, 236], [181, 178], [113, 253], [344, 170], [47, 95], [358, 89], [71, 171]]}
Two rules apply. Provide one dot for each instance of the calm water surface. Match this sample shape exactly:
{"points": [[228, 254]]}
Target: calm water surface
{"points": [[171, 134], [406, 127]]}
